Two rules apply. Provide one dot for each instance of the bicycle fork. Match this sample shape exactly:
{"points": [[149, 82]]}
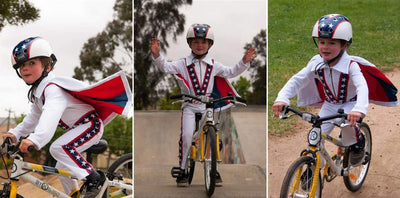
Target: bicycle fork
{"points": [[314, 185], [202, 146]]}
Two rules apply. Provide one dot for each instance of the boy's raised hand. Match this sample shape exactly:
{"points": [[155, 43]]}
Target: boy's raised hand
{"points": [[155, 47], [249, 55]]}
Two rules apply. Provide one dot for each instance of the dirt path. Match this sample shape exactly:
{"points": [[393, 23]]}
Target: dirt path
{"points": [[383, 178]]}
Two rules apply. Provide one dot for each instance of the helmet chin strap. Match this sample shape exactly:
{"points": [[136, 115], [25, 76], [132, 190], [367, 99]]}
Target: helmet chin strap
{"points": [[196, 56], [336, 58], [36, 83]]}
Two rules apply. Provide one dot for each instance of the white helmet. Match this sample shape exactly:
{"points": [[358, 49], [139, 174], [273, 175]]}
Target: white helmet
{"points": [[31, 48], [202, 31], [333, 26]]}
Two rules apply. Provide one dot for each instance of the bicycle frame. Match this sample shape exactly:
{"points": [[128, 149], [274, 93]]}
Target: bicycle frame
{"points": [[20, 169], [208, 122], [318, 137], [209, 153]]}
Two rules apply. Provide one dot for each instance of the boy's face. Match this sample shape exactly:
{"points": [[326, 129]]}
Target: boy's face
{"points": [[31, 70], [330, 48], [200, 46]]}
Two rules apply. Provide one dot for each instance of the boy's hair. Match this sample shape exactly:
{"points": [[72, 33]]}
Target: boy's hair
{"points": [[46, 61]]}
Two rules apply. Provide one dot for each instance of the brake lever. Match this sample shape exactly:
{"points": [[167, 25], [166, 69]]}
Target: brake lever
{"points": [[285, 116]]}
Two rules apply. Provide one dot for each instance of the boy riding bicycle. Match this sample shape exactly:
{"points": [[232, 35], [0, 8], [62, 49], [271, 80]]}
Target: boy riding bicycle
{"points": [[58, 101], [197, 72], [335, 80]]}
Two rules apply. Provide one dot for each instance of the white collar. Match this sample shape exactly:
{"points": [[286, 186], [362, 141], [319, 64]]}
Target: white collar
{"points": [[341, 66], [206, 59], [40, 88]]}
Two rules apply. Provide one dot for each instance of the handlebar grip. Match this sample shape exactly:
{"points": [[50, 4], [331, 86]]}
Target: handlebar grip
{"points": [[179, 96], [241, 99], [31, 149]]}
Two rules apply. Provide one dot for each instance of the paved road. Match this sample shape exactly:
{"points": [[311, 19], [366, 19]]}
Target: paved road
{"points": [[156, 138]]}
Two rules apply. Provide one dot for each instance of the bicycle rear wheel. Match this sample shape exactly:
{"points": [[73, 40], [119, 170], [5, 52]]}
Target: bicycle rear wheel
{"points": [[358, 173], [299, 177], [210, 160], [120, 170]]}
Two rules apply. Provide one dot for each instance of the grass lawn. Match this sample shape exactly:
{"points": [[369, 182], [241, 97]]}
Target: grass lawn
{"points": [[376, 37]]}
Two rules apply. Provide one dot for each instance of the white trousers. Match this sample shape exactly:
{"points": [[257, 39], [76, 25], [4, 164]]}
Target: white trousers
{"points": [[348, 133], [188, 126], [67, 148]]}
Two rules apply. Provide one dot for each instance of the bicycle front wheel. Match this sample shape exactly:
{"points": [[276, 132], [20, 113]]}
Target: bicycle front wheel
{"points": [[299, 177], [120, 170], [4, 194], [190, 164], [358, 173], [210, 160]]}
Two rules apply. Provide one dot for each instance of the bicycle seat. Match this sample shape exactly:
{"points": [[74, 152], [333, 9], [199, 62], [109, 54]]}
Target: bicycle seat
{"points": [[98, 148]]}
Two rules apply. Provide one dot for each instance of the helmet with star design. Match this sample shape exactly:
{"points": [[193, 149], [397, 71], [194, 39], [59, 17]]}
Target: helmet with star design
{"points": [[33, 47], [333, 26]]}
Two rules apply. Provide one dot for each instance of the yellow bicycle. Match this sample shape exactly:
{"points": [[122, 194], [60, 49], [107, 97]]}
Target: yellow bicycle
{"points": [[205, 146], [118, 181], [303, 178]]}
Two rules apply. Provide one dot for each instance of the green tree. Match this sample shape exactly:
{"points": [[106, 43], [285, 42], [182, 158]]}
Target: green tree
{"points": [[110, 50], [153, 19], [118, 134], [258, 68], [242, 87], [19, 12], [166, 104]]}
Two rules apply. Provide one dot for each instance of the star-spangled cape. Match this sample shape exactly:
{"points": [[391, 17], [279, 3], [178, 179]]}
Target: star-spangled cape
{"points": [[110, 96], [222, 87], [381, 89]]}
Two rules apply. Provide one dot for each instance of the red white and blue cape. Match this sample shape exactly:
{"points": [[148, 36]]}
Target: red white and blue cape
{"points": [[110, 96], [222, 87], [381, 89]]}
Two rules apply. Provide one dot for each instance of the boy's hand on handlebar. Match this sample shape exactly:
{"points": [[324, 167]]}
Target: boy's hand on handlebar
{"points": [[25, 143], [353, 117], [10, 135], [277, 108]]}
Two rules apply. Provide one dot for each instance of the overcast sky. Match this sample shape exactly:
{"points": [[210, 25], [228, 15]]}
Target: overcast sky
{"points": [[235, 23], [67, 25]]}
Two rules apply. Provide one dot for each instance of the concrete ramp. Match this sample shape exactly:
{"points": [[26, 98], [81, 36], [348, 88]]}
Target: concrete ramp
{"points": [[241, 181], [156, 136]]}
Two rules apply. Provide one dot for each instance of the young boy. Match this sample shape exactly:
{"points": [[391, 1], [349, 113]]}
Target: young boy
{"points": [[70, 104], [335, 79], [197, 71]]}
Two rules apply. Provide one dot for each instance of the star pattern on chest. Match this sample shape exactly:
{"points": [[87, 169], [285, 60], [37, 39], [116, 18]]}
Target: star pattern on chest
{"points": [[342, 92], [199, 89]]}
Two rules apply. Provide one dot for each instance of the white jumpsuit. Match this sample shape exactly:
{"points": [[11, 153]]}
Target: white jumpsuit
{"points": [[199, 76], [344, 86], [53, 107]]}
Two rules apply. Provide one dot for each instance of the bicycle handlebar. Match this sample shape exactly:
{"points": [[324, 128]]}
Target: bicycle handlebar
{"points": [[210, 100], [13, 148], [311, 117]]}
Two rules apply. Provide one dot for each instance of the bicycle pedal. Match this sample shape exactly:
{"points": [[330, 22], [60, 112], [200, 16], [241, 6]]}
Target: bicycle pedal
{"points": [[176, 172]]}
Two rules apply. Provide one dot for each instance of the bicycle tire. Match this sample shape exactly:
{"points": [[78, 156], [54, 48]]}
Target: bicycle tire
{"points": [[358, 173], [121, 169], [8, 194], [304, 189], [191, 164], [210, 161]]}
